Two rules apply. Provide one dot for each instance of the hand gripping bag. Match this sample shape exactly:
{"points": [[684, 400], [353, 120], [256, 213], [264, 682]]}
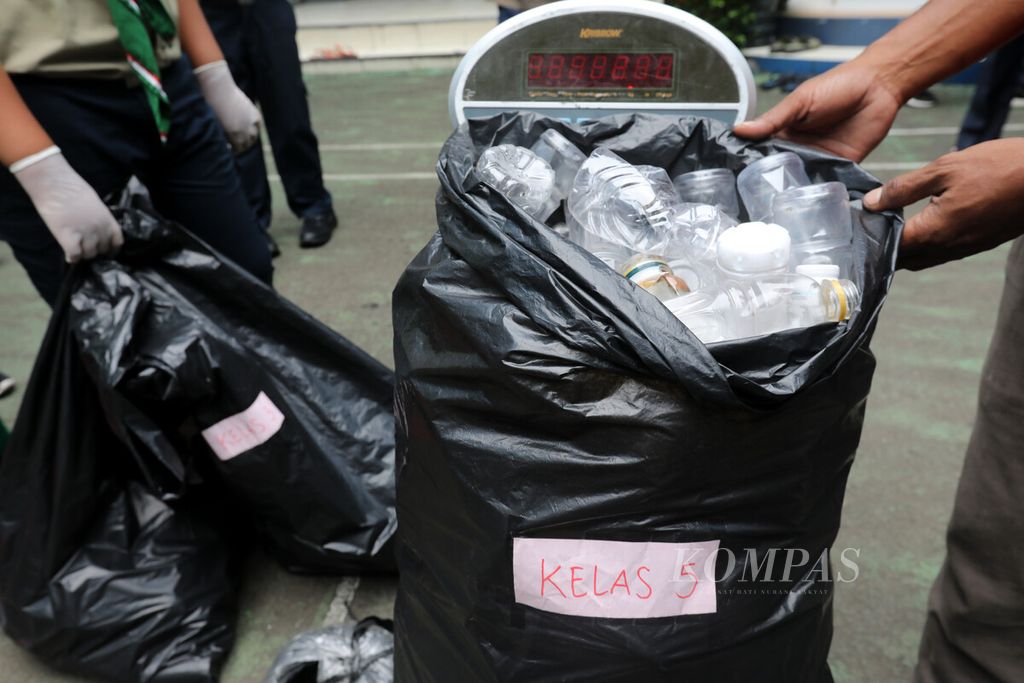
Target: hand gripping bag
{"points": [[585, 491]]}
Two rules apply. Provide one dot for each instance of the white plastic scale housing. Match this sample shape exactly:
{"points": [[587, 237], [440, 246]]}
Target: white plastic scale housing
{"points": [[710, 77]]}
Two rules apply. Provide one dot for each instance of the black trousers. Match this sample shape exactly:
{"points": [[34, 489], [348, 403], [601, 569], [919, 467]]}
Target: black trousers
{"points": [[107, 133], [258, 41], [1000, 76]]}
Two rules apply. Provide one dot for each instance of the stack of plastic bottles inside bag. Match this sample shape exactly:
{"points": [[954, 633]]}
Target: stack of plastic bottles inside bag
{"points": [[680, 238]]}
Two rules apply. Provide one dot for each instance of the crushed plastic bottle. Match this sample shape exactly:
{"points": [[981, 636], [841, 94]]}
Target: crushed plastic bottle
{"points": [[613, 206], [564, 158], [523, 177]]}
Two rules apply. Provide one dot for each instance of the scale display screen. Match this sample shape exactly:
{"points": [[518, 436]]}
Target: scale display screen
{"points": [[603, 70]]}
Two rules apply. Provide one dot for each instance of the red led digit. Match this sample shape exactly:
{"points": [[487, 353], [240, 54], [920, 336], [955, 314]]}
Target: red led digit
{"points": [[663, 72], [612, 71], [556, 67], [534, 66], [620, 68], [576, 66], [643, 69]]}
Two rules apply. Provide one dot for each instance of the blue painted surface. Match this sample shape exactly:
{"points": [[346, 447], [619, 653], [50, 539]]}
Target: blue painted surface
{"points": [[809, 67], [853, 31]]}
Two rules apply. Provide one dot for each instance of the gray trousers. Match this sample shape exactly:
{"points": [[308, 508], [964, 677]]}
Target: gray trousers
{"points": [[975, 627]]}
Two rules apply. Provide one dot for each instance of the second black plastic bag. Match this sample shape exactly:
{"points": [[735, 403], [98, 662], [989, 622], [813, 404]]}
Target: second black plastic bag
{"points": [[176, 406], [571, 457]]}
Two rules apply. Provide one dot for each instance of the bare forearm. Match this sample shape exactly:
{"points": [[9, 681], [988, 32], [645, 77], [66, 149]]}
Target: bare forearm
{"points": [[20, 135], [942, 38], [196, 37]]}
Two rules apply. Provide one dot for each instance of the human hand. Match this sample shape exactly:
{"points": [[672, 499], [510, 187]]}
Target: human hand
{"points": [[846, 111], [236, 112], [976, 203], [78, 219]]}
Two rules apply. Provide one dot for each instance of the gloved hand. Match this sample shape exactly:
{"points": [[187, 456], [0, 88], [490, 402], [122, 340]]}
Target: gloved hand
{"points": [[236, 112], [79, 220]]}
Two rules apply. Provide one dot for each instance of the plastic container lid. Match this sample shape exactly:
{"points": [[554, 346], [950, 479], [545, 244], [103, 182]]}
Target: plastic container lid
{"points": [[819, 271], [751, 248]]}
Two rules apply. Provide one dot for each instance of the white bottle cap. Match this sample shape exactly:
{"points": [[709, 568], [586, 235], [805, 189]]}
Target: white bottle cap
{"points": [[751, 248], [819, 271]]}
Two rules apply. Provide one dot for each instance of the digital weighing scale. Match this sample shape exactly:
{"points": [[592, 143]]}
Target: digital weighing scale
{"points": [[583, 59]]}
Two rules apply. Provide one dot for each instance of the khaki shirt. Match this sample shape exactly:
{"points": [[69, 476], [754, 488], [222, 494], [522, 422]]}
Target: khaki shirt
{"points": [[68, 38]]}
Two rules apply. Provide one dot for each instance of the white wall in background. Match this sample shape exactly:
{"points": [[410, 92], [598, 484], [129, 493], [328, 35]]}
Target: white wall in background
{"points": [[852, 8]]}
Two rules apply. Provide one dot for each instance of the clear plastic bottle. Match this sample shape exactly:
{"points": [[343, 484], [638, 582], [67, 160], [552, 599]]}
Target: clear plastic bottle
{"points": [[698, 312], [662, 184], [653, 274], [613, 211], [563, 156], [753, 250], [523, 177]]}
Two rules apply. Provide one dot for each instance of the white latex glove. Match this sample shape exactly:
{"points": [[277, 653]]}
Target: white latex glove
{"points": [[79, 220], [236, 112]]}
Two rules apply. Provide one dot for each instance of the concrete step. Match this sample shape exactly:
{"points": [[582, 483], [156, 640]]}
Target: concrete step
{"points": [[391, 29]]}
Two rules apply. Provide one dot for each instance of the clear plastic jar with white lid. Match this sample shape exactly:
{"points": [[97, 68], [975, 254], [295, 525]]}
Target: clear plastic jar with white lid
{"points": [[753, 250]]}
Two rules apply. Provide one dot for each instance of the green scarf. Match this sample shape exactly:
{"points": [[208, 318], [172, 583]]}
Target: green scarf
{"points": [[138, 23]]}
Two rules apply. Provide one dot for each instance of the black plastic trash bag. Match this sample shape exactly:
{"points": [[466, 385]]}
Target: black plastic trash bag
{"points": [[98, 575], [576, 469], [197, 362], [176, 404], [349, 653]]}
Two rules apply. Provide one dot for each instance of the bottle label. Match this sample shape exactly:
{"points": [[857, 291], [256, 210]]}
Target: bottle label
{"points": [[242, 432], [615, 579]]}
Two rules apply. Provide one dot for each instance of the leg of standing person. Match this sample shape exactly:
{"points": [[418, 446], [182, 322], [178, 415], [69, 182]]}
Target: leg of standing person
{"points": [[506, 13], [274, 59], [990, 104], [193, 179], [975, 626], [230, 23]]}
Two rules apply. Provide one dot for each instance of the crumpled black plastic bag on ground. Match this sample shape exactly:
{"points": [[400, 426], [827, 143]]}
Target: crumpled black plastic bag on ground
{"points": [[97, 574], [179, 341], [541, 395], [348, 653], [119, 517]]}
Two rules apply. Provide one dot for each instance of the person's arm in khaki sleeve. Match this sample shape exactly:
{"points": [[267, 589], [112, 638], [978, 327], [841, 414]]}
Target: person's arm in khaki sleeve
{"points": [[237, 114], [976, 194], [78, 219]]}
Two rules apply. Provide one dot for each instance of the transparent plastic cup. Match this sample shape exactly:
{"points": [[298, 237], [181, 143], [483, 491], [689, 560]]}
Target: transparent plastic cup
{"points": [[819, 222], [613, 204], [523, 177], [714, 186], [563, 156], [753, 250], [759, 182]]}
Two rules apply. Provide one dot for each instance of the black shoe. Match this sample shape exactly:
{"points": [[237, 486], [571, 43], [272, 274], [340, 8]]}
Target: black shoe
{"points": [[6, 385], [317, 229], [272, 247], [925, 100]]}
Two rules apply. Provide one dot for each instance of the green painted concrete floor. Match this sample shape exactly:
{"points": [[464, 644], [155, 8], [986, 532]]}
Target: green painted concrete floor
{"points": [[930, 345]]}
